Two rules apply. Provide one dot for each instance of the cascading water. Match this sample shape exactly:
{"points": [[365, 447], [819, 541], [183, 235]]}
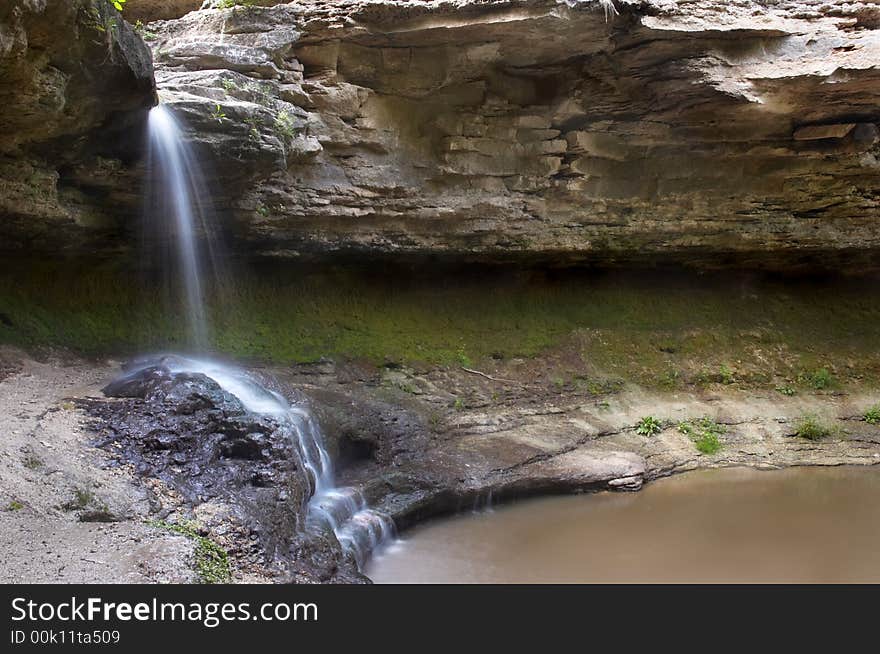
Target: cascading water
{"points": [[176, 215], [178, 211]]}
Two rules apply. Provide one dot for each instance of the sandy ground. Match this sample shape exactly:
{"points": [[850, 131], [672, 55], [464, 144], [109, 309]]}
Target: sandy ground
{"points": [[66, 513]]}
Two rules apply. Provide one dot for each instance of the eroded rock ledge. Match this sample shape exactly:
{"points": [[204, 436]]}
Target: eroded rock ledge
{"points": [[492, 130], [75, 85]]}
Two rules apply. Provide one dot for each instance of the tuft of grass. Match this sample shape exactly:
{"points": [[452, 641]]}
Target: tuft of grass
{"points": [[814, 429], [32, 462], [872, 415], [786, 390], [649, 426], [82, 498], [14, 505], [819, 379], [212, 561], [458, 405], [705, 432]]}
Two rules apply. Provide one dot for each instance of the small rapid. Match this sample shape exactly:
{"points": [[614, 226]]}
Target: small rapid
{"points": [[359, 529]]}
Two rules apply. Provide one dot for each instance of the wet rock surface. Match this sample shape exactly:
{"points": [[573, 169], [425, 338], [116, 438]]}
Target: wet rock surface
{"points": [[239, 474]]}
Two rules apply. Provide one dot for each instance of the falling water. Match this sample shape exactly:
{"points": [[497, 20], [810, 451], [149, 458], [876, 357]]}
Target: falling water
{"points": [[359, 529], [178, 216]]}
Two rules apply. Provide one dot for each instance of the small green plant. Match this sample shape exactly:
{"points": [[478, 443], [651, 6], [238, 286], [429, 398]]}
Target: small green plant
{"points": [[725, 375], [814, 429], [218, 114], [212, 561], [14, 505], [463, 359], [649, 426], [263, 210], [559, 383], [872, 415], [228, 85], [819, 379], [670, 379], [82, 497], [786, 390], [32, 462], [458, 405], [229, 4], [145, 34], [119, 4], [707, 443], [284, 125], [705, 432]]}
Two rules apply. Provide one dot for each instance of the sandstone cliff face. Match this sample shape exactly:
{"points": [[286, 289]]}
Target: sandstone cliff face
{"points": [[562, 130], [75, 84]]}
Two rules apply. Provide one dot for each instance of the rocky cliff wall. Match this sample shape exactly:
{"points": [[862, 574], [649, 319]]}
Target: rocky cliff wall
{"points": [[568, 131], [560, 130], [75, 85]]}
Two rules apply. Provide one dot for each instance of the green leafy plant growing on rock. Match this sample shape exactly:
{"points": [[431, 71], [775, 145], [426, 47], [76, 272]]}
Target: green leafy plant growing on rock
{"points": [[872, 415], [254, 124], [228, 85], [649, 426], [812, 428], [218, 114], [144, 33], [284, 125], [119, 4], [725, 375], [705, 432], [14, 505], [786, 389], [212, 561]]}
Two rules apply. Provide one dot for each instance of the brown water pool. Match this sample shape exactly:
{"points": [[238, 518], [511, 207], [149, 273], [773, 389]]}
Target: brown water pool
{"points": [[731, 525]]}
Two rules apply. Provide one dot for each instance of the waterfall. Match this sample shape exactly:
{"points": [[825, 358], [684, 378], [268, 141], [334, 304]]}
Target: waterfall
{"points": [[359, 529], [178, 217]]}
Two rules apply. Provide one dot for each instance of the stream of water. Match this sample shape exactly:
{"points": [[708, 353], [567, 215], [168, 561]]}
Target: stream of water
{"points": [[734, 525], [178, 214]]}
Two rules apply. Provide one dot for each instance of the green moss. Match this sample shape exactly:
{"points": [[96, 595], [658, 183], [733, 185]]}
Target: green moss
{"points": [[14, 505], [211, 560], [667, 333]]}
